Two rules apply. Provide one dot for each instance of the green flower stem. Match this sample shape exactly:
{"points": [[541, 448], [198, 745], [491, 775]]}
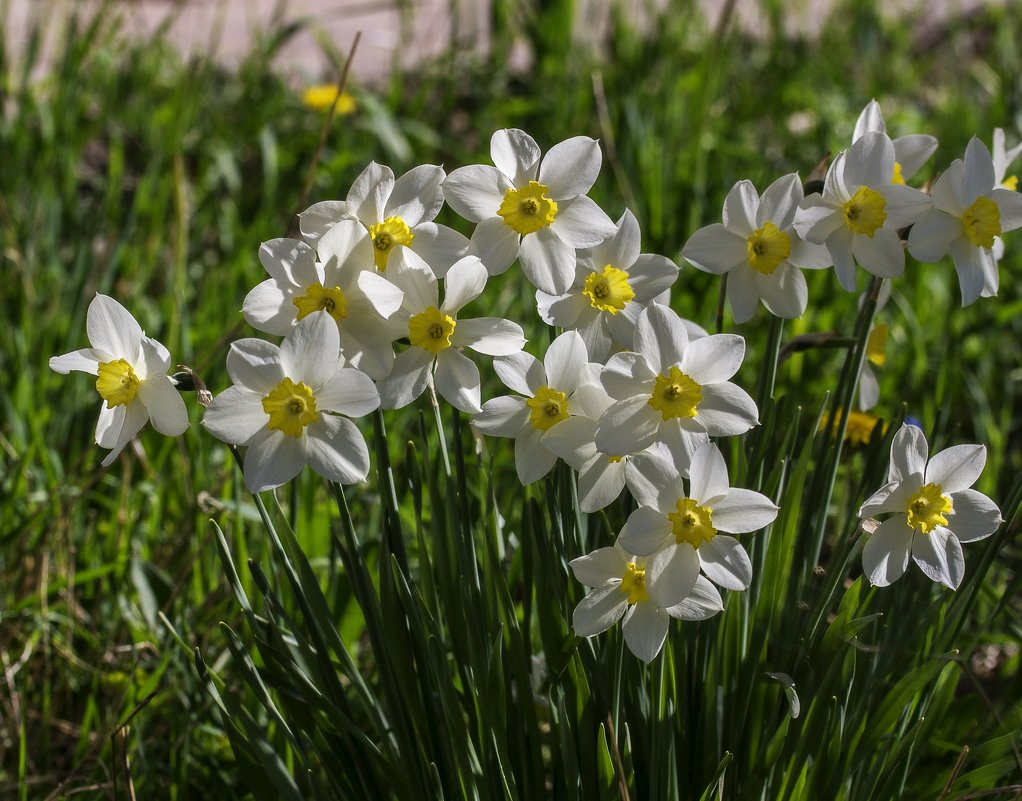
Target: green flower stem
{"points": [[388, 492], [847, 385], [770, 359]]}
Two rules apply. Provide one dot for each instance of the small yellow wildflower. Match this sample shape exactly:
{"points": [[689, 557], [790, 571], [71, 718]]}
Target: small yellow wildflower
{"points": [[321, 97]]}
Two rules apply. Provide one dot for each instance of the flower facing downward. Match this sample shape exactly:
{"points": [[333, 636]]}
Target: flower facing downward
{"points": [[682, 533], [285, 406], [618, 581], [131, 377], [932, 511]]}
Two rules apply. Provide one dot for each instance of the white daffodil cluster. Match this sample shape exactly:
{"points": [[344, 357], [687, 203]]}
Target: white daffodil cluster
{"points": [[370, 302]]}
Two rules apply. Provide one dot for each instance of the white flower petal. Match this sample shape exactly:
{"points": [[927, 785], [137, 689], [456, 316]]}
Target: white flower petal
{"points": [[956, 468], [671, 574], [112, 329], [235, 416], [457, 380], [407, 380], [515, 154], [547, 261], [599, 610], [490, 335], [505, 416], [349, 392], [496, 244], [645, 531], [476, 191], [975, 516], [417, 196], [645, 630], [725, 562], [337, 450], [571, 167], [272, 459], [939, 555], [165, 406], [886, 553]]}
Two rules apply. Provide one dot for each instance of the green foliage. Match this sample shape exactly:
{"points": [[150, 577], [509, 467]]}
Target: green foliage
{"points": [[412, 638]]}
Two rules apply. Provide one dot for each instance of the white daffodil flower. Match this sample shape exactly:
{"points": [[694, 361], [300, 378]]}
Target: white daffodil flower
{"points": [[132, 379], [618, 581], [933, 511], [911, 152], [437, 337], [531, 209], [285, 407], [673, 389], [680, 532], [1002, 160], [612, 283], [549, 390], [860, 212], [398, 214], [756, 245], [970, 210], [342, 282]]}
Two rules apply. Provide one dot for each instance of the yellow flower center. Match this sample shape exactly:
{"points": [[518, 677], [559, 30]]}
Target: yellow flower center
{"points": [[392, 231], [117, 382], [927, 508], [691, 523], [676, 395], [768, 247], [1011, 182], [526, 210], [633, 584], [431, 330], [608, 290], [875, 345], [865, 211], [546, 408], [318, 298], [982, 221], [291, 407], [898, 178]]}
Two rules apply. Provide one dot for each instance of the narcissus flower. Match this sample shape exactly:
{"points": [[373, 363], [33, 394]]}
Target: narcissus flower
{"points": [[131, 377], [970, 210], [673, 389], [933, 511], [342, 283], [437, 337], [681, 532], [398, 214], [910, 152], [618, 581], [757, 246], [612, 283], [860, 212], [535, 211], [547, 399], [286, 403]]}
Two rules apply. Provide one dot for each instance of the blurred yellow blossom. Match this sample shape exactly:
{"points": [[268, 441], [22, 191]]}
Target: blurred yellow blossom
{"points": [[860, 426], [321, 96]]}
